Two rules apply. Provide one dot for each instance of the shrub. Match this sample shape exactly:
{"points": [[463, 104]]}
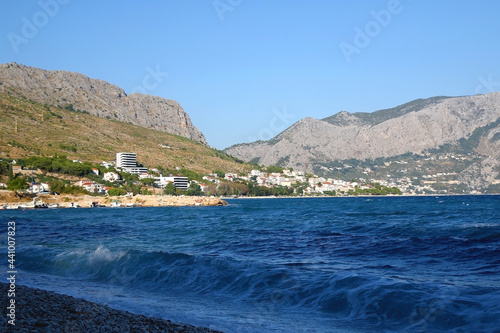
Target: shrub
{"points": [[18, 183], [116, 191]]}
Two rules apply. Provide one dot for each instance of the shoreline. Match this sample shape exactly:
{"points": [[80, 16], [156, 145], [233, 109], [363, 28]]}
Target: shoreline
{"points": [[40, 310], [9, 198], [357, 196]]}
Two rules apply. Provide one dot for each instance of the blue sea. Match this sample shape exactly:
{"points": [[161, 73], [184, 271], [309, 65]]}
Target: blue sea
{"points": [[388, 264]]}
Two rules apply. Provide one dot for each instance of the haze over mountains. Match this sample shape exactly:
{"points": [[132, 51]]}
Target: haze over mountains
{"points": [[97, 97]]}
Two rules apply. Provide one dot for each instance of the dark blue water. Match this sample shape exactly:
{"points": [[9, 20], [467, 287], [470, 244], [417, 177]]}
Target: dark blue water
{"points": [[395, 264]]}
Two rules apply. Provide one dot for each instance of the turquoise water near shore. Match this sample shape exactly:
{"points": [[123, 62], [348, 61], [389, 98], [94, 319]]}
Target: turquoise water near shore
{"points": [[391, 264]]}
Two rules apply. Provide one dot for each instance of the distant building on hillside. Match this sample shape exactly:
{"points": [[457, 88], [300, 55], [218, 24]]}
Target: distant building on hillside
{"points": [[107, 164], [37, 188], [126, 160], [111, 176], [128, 163], [179, 182]]}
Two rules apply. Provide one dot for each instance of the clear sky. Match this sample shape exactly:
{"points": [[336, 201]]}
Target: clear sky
{"points": [[247, 69]]}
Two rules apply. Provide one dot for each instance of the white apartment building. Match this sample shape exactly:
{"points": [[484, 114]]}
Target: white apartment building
{"points": [[179, 182], [128, 163], [126, 160]]}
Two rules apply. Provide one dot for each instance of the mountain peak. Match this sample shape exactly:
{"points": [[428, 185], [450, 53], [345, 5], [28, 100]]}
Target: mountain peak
{"points": [[97, 97], [344, 118], [414, 127]]}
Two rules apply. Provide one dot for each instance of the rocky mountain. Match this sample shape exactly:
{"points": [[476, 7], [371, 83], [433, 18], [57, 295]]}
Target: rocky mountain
{"points": [[29, 128], [469, 122], [78, 92]]}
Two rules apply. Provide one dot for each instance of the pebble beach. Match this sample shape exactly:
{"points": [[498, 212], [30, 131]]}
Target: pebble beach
{"points": [[44, 311]]}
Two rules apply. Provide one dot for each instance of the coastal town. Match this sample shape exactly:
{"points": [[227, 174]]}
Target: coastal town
{"points": [[109, 178], [152, 181]]}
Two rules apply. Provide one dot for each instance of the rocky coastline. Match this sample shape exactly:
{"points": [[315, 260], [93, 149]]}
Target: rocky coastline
{"points": [[9, 199]]}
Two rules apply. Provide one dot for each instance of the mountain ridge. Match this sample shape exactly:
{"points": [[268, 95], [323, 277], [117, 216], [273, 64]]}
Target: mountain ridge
{"points": [[376, 117], [97, 97], [414, 127], [30, 128]]}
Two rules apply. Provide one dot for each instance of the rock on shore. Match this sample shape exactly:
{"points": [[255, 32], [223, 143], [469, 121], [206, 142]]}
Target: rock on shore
{"points": [[43, 311], [9, 198], [138, 200]]}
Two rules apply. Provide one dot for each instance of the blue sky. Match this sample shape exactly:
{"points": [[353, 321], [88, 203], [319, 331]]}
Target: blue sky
{"points": [[247, 69]]}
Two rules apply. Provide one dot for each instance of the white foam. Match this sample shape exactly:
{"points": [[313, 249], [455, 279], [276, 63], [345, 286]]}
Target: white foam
{"points": [[103, 254]]}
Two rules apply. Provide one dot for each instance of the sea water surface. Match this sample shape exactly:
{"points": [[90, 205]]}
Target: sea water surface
{"points": [[391, 264]]}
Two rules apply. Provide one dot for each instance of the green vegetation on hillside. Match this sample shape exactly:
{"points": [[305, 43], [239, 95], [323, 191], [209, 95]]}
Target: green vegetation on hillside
{"points": [[57, 164], [473, 140], [376, 190], [33, 129]]}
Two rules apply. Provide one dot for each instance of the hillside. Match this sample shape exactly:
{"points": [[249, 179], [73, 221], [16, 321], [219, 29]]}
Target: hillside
{"points": [[79, 92], [30, 128], [469, 125]]}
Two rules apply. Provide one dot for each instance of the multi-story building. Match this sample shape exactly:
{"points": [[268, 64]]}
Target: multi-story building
{"points": [[128, 163], [126, 160], [179, 182]]}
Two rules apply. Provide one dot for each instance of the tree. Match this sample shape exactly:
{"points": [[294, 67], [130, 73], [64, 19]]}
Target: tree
{"points": [[11, 172], [5, 168], [60, 186], [274, 168], [18, 183], [224, 189], [220, 173], [116, 191], [192, 175], [170, 189], [194, 189], [147, 181], [240, 189], [210, 189]]}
